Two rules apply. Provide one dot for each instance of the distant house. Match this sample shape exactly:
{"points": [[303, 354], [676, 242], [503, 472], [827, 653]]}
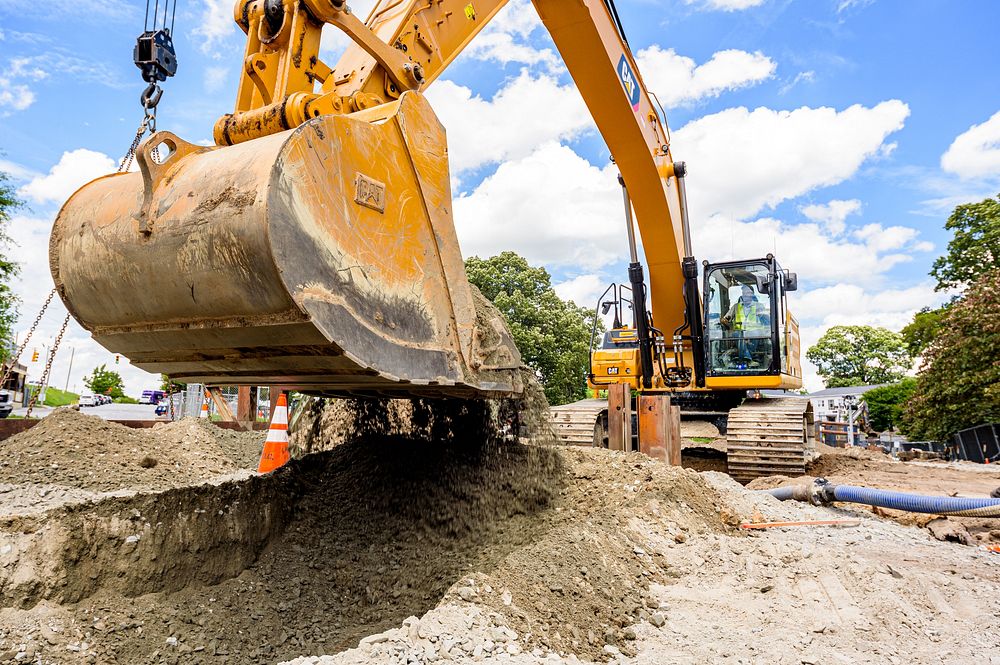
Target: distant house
{"points": [[15, 382], [830, 404]]}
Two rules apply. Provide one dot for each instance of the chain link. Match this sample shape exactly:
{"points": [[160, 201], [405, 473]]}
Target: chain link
{"points": [[27, 338], [130, 155], [48, 366], [170, 396]]}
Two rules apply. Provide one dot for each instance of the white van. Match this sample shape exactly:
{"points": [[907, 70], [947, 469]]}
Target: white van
{"points": [[88, 400]]}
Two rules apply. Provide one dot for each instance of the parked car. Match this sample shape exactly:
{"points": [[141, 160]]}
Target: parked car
{"points": [[6, 403], [88, 400], [162, 408]]}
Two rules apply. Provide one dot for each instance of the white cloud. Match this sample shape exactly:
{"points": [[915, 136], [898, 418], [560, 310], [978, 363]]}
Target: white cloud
{"points": [[21, 74], [742, 161], [801, 77], [15, 170], [507, 39], [846, 5], [676, 79], [725, 5], [525, 113], [809, 248], [75, 168], [551, 207], [584, 290], [216, 23], [215, 78], [833, 214], [16, 96], [852, 304], [975, 153]]}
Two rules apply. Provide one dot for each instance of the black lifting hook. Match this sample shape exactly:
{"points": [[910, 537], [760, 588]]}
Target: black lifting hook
{"points": [[151, 96]]}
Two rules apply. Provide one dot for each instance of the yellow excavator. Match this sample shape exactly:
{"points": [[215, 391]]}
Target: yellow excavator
{"points": [[313, 245]]}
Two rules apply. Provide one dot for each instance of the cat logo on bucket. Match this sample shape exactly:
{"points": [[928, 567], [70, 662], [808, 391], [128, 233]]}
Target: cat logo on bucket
{"points": [[629, 83], [369, 193]]}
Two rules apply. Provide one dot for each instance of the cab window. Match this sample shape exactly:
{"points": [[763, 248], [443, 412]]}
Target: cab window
{"points": [[739, 319]]}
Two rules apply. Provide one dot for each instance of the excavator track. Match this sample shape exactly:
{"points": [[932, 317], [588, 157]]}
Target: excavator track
{"points": [[576, 424], [767, 437]]}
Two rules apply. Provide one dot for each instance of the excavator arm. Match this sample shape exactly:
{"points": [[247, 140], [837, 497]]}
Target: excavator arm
{"points": [[313, 246]]}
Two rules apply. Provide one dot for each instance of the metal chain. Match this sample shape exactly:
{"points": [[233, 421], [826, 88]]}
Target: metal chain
{"points": [[170, 396], [139, 133], [149, 99], [27, 338], [48, 366]]}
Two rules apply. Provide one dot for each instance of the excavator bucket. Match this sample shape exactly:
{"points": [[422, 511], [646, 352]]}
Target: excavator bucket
{"points": [[323, 258]]}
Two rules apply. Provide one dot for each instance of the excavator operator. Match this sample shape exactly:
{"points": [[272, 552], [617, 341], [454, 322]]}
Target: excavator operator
{"points": [[749, 321]]}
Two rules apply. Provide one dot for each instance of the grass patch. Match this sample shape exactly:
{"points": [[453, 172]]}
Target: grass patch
{"points": [[125, 399], [702, 439], [55, 397]]}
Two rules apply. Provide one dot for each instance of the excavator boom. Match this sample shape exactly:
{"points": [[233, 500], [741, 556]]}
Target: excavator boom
{"points": [[314, 245]]}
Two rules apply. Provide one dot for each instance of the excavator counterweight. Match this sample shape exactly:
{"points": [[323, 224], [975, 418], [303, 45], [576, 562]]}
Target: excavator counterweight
{"points": [[323, 258]]}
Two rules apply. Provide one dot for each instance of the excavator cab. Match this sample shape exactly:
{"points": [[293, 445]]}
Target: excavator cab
{"points": [[747, 324]]}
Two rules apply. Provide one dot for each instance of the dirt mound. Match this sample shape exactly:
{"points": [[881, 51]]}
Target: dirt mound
{"points": [[843, 461], [72, 449], [351, 541]]}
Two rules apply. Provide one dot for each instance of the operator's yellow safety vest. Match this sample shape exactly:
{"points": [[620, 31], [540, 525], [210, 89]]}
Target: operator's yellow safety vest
{"points": [[747, 320]]}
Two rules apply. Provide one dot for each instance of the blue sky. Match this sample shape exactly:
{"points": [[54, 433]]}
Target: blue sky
{"points": [[839, 133]]}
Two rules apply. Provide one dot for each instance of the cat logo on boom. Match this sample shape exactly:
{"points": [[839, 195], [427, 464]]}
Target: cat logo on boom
{"points": [[629, 83]]}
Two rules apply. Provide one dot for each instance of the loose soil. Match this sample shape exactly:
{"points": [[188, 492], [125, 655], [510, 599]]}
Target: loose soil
{"points": [[75, 450], [425, 531]]}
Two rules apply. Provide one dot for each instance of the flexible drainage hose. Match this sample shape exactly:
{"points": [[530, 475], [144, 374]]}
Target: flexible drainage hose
{"points": [[821, 492]]}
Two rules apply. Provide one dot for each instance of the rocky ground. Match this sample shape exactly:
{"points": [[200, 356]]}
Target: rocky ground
{"points": [[446, 542]]}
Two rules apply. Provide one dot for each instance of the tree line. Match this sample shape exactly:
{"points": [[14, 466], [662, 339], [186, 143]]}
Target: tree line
{"points": [[957, 384]]}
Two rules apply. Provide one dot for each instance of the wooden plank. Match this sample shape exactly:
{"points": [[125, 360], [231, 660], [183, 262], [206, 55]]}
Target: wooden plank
{"points": [[619, 417], [221, 405]]}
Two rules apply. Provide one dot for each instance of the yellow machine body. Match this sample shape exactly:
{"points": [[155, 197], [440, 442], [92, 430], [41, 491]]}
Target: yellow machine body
{"points": [[322, 258], [314, 246]]}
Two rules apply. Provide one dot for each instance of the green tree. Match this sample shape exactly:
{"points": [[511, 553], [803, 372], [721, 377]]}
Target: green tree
{"points": [[104, 381], [920, 332], [885, 404], [959, 383], [859, 356], [168, 386], [553, 335], [974, 248], [8, 269]]}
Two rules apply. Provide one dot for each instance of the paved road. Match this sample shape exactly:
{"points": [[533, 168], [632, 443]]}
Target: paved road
{"points": [[106, 411]]}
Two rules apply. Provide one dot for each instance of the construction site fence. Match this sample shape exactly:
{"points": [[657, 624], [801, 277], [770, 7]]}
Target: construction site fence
{"points": [[979, 444]]}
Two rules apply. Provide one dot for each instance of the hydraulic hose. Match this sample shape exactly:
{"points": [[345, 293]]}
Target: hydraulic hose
{"points": [[821, 492]]}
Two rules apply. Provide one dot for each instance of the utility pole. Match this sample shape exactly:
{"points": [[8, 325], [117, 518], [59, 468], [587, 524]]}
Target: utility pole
{"points": [[72, 352], [42, 388]]}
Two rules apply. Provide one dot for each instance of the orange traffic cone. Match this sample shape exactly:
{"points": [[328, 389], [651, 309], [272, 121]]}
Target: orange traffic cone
{"points": [[204, 407], [275, 453]]}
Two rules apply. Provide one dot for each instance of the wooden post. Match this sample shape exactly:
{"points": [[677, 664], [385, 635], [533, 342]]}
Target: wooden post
{"points": [[660, 429], [674, 449], [246, 405], [272, 394], [619, 417]]}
